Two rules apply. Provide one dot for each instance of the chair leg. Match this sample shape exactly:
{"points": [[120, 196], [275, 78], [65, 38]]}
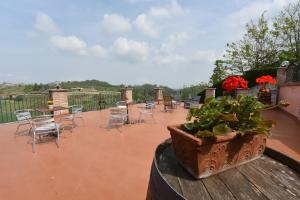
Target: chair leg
{"points": [[57, 139], [17, 130], [33, 143], [140, 118]]}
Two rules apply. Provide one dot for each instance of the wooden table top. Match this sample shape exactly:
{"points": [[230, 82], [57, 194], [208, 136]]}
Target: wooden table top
{"points": [[56, 108], [264, 178]]}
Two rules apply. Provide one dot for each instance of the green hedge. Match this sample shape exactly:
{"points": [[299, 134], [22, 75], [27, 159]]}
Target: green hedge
{"points": [[250, 76]]}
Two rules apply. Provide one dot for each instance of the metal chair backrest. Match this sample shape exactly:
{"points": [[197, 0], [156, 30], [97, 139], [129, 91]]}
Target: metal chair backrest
{"points": [[197, 98], [150, 104], [75, 109], [116, 111], [46, 122], [23, 115], [168, 100], [121, 103]]}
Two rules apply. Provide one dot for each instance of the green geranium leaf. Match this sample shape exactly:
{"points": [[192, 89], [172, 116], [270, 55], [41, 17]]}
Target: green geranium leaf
{"points": [[230, 117], [188, 127], [205, 133], [221, 129]]}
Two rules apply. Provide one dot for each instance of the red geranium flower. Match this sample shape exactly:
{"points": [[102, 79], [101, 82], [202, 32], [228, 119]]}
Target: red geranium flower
{"points": [[234, 82], [266, 79]]}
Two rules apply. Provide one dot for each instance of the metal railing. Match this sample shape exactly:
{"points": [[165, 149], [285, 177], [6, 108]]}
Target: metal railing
{"points": [[8, 105], [94, 101], [293, 74], [89, 101]]}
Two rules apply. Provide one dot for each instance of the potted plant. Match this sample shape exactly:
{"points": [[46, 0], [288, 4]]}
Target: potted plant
{"points": [[223, 133], [264, 94]]}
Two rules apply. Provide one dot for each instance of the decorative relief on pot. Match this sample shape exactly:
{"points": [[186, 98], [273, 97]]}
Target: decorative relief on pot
{"points": [[203, 158]]}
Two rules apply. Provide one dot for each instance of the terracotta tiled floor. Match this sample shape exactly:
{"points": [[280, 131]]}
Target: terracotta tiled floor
{"points": [[286, 134], [96, 163]]}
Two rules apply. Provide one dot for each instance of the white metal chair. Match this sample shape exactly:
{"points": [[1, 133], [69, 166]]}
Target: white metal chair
{"points": [[23, 118], [150, 105], [44, 126], [76, 112], [145, 112], [121, 104], [118, 116]]}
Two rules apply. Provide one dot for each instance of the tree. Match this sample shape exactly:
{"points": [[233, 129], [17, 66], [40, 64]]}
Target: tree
{"points": [[257, 48], [287, 24], [219, 73]]}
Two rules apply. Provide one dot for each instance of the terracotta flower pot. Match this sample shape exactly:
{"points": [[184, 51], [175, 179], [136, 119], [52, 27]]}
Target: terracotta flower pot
{"points": [[205, 157]]}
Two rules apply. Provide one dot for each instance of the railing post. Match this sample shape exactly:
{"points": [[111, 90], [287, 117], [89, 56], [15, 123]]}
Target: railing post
{"points": [[281, 76], [126, 94], [59, 98], [210, 92], [159, 97]]}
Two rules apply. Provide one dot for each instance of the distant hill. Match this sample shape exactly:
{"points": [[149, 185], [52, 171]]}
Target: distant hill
{"points": [[140, 92]]}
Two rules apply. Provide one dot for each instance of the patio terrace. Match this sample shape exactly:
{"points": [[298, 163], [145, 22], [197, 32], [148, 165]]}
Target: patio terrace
{"points": [[96, 163]]}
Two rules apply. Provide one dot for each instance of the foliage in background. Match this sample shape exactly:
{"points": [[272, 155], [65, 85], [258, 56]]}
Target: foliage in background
{"points": [[257, 47], [219, 73], [267, 42], [250, 76], [140, 92], [217, 117], [287, 24], [192, 91]]}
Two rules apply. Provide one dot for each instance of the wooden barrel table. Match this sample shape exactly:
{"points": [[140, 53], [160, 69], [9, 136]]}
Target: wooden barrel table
{"points": [[273, 176]]}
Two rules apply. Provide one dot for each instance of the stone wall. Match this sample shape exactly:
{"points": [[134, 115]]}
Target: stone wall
{"points": [[291, 94]]}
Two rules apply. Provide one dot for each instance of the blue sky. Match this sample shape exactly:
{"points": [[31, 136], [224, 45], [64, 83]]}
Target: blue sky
{"points": [[167, 42]]}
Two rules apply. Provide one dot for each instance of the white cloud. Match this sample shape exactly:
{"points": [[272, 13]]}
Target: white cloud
{"points": [[176, 8], [236, 21], [130, 50], [98, 51], [146, 25], [159, 12], [207, 57], [137, 1], [45, 24], [173, 41], [171, 9], [69, 43], [114, 23]]}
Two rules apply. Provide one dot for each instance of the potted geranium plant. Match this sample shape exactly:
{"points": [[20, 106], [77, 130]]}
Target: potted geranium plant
{"points": [[264, 94], [223, 133]]}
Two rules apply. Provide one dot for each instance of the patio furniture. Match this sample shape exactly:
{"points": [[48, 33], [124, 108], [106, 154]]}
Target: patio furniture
{"points": [[273, 176], [75, 112], [168, 103], [176, 101], [118, 116], [44, 126], [23, 118], [192, 103], [145, 112], [121, 104], [150, 105]]}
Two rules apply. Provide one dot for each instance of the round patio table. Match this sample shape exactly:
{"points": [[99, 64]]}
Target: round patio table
{"points": [[269, 177]]}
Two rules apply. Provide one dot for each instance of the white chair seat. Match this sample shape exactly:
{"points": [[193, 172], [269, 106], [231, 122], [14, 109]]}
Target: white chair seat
{"points": [[47, 127]]}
